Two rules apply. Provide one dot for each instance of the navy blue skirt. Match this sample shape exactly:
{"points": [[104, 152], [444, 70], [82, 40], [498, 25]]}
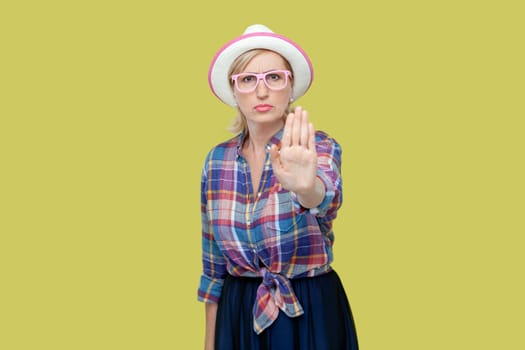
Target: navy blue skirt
{"points": [[327, 322]]}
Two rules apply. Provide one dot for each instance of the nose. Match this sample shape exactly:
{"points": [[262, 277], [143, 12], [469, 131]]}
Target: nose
{"points": [[261, 89]]}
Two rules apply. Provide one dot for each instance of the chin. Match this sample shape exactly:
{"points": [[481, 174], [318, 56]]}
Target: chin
{"points": [[266, 117]]}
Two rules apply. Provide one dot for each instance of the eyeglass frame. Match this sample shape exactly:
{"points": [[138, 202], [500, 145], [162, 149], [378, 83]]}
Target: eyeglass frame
{"points": [[261, 76]]}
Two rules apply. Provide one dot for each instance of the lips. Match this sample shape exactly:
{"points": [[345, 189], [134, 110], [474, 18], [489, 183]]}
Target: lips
{"points": [[263, 108]]}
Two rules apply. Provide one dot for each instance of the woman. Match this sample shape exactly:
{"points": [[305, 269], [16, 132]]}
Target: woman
{"points": [[269, 197]]}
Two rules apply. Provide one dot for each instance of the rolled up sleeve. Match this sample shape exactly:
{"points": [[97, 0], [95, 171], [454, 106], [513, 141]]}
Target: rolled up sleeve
{"points": [[213, 261]]}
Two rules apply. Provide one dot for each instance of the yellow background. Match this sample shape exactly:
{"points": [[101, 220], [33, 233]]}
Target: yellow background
{"points": [[106, 116]]}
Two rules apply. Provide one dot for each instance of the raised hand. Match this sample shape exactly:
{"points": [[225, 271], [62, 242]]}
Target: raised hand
{"points": [[295, 162]]}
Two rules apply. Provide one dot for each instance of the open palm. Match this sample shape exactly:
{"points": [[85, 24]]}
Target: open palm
{"points": [[295, 162]]}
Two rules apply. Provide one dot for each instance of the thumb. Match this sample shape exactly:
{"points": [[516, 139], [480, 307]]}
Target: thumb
{"points": [[275, 158]]}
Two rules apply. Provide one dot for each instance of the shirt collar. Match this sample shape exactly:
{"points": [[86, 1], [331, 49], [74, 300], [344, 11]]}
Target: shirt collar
{"points": [[274, 140]]}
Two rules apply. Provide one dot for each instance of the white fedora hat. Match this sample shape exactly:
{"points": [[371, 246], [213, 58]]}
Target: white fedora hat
{"points": [[258, 36]]}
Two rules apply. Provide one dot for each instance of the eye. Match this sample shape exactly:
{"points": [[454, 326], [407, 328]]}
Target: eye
{"points": [[248, 78], [274, 76]]}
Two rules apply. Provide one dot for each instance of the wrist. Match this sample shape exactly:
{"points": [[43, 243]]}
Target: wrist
{"points": [[311, 198]]}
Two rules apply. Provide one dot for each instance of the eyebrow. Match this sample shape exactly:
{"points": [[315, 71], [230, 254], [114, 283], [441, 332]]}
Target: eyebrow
{"points": [[268, 71]]}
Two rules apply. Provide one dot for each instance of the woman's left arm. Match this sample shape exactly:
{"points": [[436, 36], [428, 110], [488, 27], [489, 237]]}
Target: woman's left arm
{"points": [[295, 163]]}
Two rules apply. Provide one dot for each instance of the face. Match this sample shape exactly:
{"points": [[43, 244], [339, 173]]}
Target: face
{"points": [[264, 106]]}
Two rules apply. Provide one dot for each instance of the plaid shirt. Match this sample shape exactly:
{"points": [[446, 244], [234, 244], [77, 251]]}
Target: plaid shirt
{"points": [[265, 233]]}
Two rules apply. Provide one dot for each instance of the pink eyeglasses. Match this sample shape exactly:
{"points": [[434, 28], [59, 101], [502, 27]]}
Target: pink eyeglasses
{"points": [[274, 80]]}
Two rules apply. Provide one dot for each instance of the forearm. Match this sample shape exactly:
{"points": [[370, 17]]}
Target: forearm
{"points": [[313, 197], [211, 316]]}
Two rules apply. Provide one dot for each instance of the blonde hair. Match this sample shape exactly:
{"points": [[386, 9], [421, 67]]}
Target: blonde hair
{"points": [[239, 124]]}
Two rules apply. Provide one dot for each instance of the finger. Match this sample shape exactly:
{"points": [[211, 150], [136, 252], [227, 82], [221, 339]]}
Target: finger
{"points": [[304, 129], [275, 158], [311, 139], [287, 132], [296, 130]]}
